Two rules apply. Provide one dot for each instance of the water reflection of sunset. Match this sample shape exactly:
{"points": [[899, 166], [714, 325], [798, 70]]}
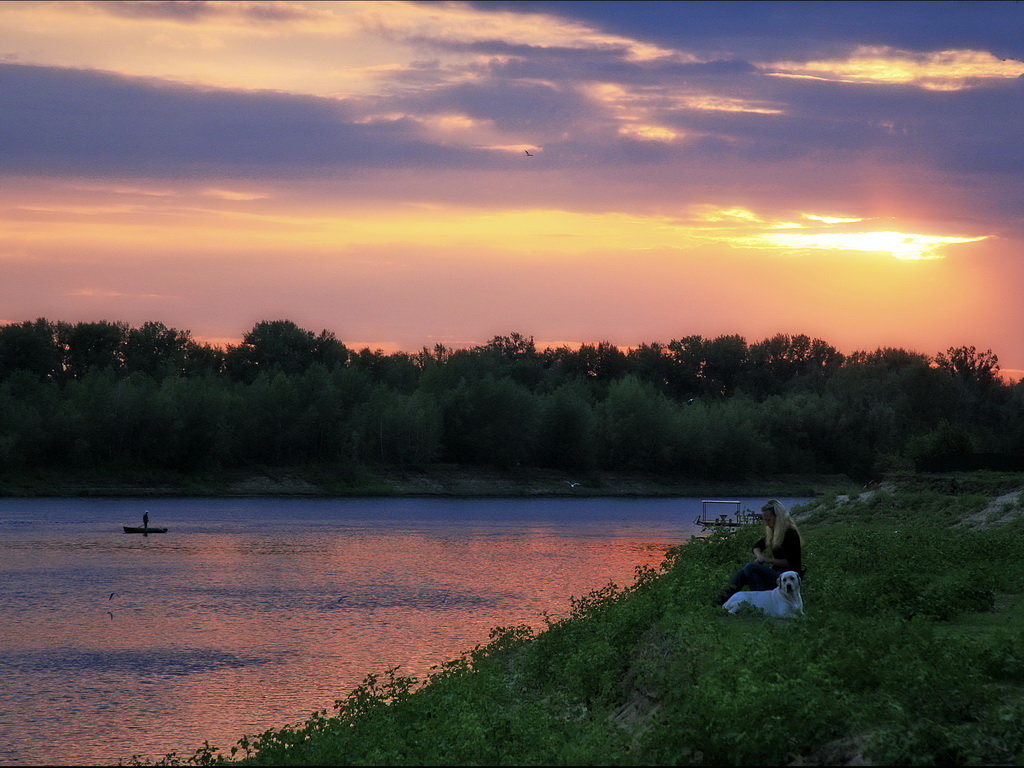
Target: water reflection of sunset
{"points": [[250, 614]]}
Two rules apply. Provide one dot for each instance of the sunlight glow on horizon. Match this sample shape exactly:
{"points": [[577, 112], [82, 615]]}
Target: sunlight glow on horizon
{"points": [[543, 232], [901, 245]]}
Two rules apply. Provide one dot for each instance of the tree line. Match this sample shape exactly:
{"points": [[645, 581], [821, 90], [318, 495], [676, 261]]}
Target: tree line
{"points": [[105, 394]]}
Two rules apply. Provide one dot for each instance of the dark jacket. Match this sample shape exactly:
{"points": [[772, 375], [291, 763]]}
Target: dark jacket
{"points": [[789, 550]]}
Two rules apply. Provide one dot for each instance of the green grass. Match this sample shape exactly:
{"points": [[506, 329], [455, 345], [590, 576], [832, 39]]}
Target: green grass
{"points": [[911, 652]]}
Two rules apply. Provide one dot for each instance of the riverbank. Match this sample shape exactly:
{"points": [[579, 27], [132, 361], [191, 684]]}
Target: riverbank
{"points": [[436, 480], [904, 662]]}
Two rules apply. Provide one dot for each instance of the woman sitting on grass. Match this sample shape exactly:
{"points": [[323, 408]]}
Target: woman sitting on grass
{"points": [[778, 551]]}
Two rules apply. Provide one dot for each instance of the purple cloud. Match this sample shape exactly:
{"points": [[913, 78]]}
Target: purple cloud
{"points": [[65, 120]]}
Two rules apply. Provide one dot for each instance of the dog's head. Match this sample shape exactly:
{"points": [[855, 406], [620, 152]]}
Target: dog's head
{"points": [[789, 585]]}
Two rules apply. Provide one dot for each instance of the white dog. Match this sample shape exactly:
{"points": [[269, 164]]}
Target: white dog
{"points": [[782, 602]]}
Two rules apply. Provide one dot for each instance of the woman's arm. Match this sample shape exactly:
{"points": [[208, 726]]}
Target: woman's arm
{"points": [[760, 557], [759, 549]]}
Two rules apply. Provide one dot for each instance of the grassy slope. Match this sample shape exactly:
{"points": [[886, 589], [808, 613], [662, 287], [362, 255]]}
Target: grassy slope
{"points": [[911, 652]]}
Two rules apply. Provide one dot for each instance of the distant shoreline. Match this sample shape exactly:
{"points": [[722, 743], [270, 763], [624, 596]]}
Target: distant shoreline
{"points": [[439, 481]]}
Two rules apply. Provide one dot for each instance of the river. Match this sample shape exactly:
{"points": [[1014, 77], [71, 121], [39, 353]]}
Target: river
{"points": [[253, 613]]}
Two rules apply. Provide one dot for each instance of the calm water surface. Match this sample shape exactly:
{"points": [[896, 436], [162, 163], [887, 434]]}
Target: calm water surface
{"points": [[250, 614]]}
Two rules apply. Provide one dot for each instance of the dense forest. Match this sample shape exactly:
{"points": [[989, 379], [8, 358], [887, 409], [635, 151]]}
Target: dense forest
{"points": [[102, 395]]}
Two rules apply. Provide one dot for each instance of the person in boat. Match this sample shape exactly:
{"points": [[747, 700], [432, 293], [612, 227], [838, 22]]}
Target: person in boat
{"points": [[145, 519], [778, 551]]}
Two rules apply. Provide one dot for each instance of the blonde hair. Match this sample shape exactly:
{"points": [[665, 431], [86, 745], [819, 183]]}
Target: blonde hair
{"points": [[783, 523]]}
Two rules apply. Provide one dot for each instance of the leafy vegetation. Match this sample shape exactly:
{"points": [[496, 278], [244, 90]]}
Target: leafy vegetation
{"points": [[106, 397], [911, 652]]}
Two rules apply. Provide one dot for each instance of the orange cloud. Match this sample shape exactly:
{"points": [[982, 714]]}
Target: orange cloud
{"points": [[951, 70], [102, 293], [831, 219], [637, 109], [317, 48]]}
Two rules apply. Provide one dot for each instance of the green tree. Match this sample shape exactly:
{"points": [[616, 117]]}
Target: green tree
{"points": [[30, 346], [687, 372], [725, 363], [638, 427], [515, 356], [399, 370], [781, 361], [653, 363], [196, 412], [603, 362], [281, 345], [26, 403], [736, 441], [512, 347], [969, 365], [156, 350], [567, 435], [268, 421], [712, 367], [395, 428], [947, 447], [91, 347], [490, 421], [917, 394]]}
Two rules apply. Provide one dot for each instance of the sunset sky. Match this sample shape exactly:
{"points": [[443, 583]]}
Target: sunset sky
{"points": [[852, 171]]}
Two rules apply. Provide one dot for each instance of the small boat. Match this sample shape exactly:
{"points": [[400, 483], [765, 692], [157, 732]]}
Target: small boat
{"points": [[734, 519], [135, 529]]}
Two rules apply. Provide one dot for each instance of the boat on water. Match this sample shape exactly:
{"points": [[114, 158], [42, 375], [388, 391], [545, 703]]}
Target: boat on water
{"points": [[138, 529], [732, 519]]}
